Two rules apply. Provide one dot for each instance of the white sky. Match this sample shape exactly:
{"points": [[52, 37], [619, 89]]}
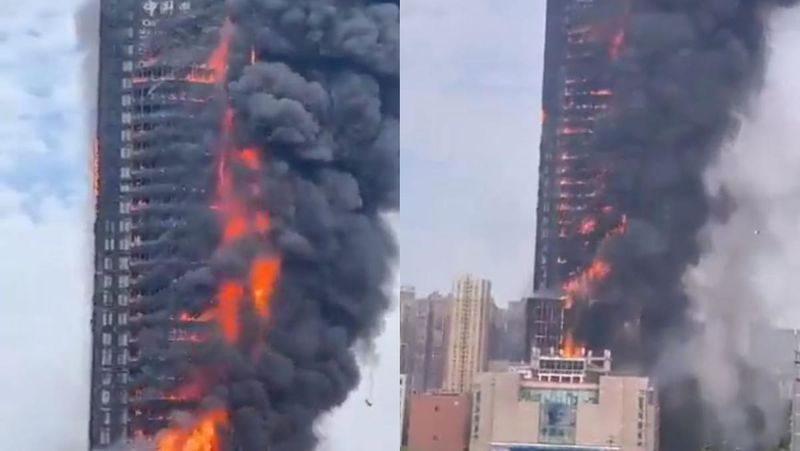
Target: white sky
{"points": [[471, 78]]}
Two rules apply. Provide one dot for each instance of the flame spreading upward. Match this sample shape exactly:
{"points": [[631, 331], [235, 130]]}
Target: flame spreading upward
{"points": [[238, 220], [204, 435], [581, 286]]}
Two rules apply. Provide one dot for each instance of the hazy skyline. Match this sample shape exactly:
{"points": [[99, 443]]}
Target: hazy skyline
{"points": [[471, 115]]}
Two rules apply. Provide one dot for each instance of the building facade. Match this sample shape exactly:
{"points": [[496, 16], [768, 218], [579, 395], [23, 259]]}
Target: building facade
{"points": [[403, 396], [544, 321], [407, 300], [583, 38], [439, 422], [508, 333], [427, 343], [468, 341], [150, 177], [557, 403]]}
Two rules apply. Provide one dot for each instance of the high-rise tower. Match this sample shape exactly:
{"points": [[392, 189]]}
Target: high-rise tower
{"points": [[583, 38], [152, 177], [468, 340], [244, 168]]}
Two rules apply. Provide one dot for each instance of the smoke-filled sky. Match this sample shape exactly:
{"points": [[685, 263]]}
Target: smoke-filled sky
{"points": [[44, 272], [471, 78]]}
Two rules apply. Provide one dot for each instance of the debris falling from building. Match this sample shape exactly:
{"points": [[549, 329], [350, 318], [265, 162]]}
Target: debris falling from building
{"points": [[259, 153], [640, 97]]}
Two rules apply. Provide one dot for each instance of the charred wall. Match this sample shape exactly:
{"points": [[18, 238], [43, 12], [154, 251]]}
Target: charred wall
{"points": [[154, 177], [574, 214]]}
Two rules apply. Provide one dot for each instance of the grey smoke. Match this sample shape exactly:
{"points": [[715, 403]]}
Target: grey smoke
{"points": [[747, 276], [321, 107], [688, 74]]}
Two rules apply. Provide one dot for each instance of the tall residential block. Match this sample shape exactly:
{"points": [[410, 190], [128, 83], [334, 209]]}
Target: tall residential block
{"points": [[470, 324], [152, 175], [426, 339]]}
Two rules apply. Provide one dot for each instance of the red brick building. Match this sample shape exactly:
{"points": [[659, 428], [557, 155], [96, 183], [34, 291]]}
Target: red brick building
{"points": [[439, 422]]}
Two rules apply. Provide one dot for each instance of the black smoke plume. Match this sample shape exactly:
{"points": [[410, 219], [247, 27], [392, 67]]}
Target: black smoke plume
{"points": [[320, 103], [687, 72]]}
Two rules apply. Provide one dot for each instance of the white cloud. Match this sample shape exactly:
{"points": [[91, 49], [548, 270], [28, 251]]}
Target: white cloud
{"points": [[44, 329]]}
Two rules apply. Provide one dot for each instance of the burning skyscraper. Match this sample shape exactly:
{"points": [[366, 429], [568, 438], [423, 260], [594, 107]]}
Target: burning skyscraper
{"points": [[245, 156], [640, 98], [583, 40]]}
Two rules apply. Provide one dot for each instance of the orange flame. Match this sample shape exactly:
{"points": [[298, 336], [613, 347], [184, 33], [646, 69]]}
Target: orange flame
{"points": [[95, 168], [263, 275], [250, 159], [230, 293], [189, 392], [569, 348], [202, 436], [237, 221], [588, 226]]}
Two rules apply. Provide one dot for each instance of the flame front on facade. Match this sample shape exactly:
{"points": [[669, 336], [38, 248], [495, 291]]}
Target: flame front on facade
{"points": [[242, 245]]}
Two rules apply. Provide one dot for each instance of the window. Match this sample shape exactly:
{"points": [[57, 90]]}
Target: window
{"points": [[105, 396], [123, 263], [126, 100], [125, 207], [126, 135], [106, 378], [123, 281], [106, 356], [107, 281], [122, 300], [122, 319], [105, 436], [123, 339], [107, 417], [106, 339], [107, 318], [127, 66], [122, 358], [558, 416]]}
